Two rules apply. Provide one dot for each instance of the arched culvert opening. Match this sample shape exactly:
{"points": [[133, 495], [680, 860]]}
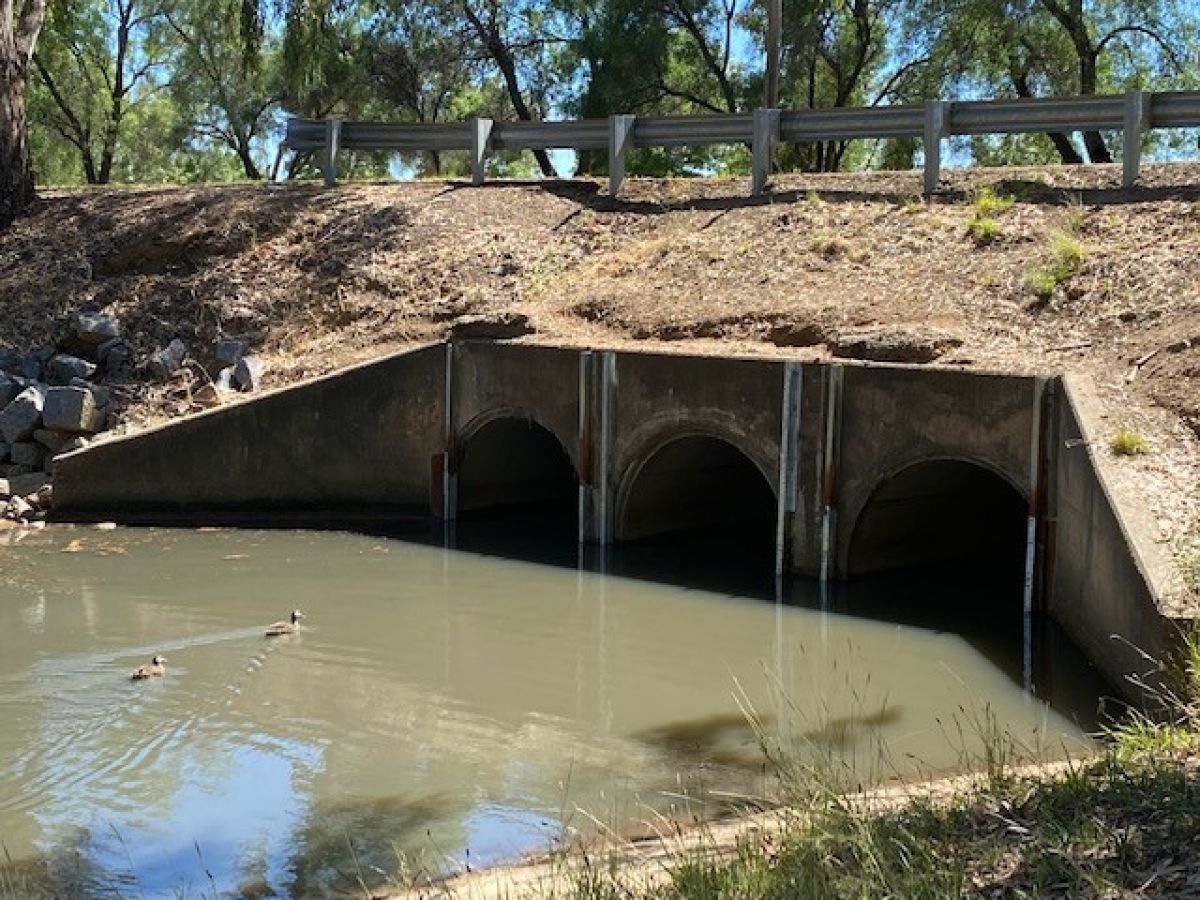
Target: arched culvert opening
{"points": [[940, 512], [941, 545], [698, 511], [517, 492]]}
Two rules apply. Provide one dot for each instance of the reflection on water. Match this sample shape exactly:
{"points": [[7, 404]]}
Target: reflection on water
{"points": [[437, 703]]}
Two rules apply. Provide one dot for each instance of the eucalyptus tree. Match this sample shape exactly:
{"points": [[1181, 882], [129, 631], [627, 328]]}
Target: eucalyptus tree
{"points": [[19, 30], [1030, 48], [98, 61], [224, 81]]}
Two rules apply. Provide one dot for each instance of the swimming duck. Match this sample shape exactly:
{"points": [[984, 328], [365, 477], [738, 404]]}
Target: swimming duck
{"points": [[151, 669], [286, 627]]}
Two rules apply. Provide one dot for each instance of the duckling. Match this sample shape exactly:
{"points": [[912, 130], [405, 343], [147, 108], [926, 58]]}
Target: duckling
{"points": [[277, 628], [152, 669]]}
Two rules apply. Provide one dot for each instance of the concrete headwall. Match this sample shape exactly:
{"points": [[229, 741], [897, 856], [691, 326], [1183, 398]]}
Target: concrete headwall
{"points": [[385, 439]]}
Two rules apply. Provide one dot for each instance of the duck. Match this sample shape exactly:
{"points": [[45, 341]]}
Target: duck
{"points": [[152, 669], [286, 627]]}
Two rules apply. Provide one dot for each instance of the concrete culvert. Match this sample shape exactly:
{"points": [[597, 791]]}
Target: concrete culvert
{"points": [[516, 466], [697, 483], [939, 512]]}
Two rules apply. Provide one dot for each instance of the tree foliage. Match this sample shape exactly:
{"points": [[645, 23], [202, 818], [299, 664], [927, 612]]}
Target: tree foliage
{"points": [[179, 90]]}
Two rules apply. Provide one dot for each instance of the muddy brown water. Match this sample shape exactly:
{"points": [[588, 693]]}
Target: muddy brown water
{"points": [[437, 704]]}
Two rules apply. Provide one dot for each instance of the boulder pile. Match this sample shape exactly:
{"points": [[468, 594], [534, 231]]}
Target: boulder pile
{"points": [[54, 400]]}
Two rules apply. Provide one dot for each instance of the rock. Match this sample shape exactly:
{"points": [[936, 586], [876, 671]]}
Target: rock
{"points": [[45, 496], [230, 352], [166, 362], [115, 356], [4, 451], [491, 327], [10, 361], [8, 390], [72, 410], [23, 485], [51, 440], [247, 374], [18, 507], [32, 364], [892, 344], [22, 417], [28, 453], [797, 334], [63, 369], [207, 396], [12, 470], [95, 329], [224, 381], [101, 395]]}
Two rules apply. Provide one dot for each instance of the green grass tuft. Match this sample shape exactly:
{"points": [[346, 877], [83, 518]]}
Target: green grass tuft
{"points": [[984, 231], [1125, 442], [988, 203], [1067, 255]]}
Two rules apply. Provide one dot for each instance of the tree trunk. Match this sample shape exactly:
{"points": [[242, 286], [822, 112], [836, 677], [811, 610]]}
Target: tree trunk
{"points": [[1066, 150], [1094, 141], [16, 174], [774, 29], [490, 37], [248, 164]]}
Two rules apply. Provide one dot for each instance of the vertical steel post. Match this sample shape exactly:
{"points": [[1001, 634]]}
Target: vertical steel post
{"points": [[620, 139], [829, 471], [1035, 491], [789, 440], [604, 476], [765, 136], [1137, 118], [481, 144], [449, 465], [937, 118], [333, 140]]}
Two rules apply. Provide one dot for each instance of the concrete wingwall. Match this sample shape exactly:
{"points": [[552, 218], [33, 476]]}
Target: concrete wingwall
{"points": [[1105, 577], [355, 444], [386, 440]]}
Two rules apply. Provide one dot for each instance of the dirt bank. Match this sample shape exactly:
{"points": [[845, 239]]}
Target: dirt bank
{"points": [[1074, 275]]}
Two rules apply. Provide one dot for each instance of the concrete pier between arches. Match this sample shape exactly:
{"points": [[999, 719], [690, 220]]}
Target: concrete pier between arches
{"points": [[851, 468]]}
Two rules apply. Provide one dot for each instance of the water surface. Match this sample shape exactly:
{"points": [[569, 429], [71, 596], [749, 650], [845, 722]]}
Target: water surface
{"points": [[438, 703]]}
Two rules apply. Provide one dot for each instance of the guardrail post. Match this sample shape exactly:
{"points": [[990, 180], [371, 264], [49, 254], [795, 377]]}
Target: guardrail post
{"points": [[333, 139], [481, 143], [937, 117], [620, 139], [1137, 118], [765, 136]]}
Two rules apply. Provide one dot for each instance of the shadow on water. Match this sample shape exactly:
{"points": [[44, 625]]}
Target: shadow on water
{"points": [[979, 601]]}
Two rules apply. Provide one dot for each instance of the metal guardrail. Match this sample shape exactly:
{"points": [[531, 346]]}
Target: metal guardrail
{"points": [[1130, 113]]}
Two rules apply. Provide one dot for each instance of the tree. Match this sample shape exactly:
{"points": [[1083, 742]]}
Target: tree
{"points": [[1031, 48], [18, 40], [223, 80], [503, 30], [97, 63]]}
